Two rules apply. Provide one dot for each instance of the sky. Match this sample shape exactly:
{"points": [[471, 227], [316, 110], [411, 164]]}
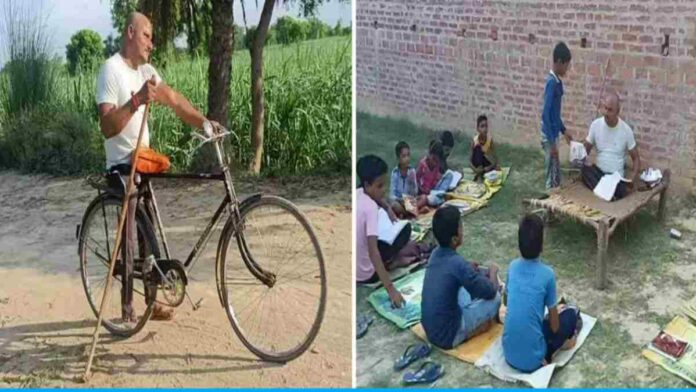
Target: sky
{"points": [[66, 17]]}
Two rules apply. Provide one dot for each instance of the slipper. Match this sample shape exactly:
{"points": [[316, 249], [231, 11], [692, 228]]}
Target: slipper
{"points": [[413, 353], [364, 323], [427, 373]]}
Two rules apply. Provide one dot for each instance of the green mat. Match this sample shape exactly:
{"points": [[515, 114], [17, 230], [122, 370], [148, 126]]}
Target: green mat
{"points": [[411, 288]]}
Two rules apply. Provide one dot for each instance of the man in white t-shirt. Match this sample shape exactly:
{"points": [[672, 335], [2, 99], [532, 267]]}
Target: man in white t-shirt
{"points": [[613, 138], [126, 82]]}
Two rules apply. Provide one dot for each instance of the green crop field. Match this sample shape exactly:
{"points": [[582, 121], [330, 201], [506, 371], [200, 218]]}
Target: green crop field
{"points": [[308, 108]]}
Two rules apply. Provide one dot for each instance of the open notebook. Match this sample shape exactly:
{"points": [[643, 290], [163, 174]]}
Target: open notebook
{"points": [[456, 177], [388, 230], [607, 185]]}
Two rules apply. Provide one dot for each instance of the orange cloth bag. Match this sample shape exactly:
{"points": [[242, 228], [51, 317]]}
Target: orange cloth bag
{"points": [[151, 162]]}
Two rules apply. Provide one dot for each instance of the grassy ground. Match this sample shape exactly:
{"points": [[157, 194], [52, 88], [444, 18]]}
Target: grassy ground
{"points": [[650, 274]]}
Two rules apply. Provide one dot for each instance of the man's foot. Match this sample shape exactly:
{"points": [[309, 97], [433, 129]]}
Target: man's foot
{"points": [[160, 313]]}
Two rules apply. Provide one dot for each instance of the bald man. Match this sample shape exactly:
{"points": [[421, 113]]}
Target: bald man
{"points": [[126, 82], [613, 139]]}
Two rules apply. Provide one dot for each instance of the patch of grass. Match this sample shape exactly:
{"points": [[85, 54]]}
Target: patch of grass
{"points": [[29, 75], [640, 253], [49, 140]]}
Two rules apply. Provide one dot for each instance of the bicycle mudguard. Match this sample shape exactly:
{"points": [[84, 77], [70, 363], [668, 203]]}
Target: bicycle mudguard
{"points": [[249, 199], [244, 204]]}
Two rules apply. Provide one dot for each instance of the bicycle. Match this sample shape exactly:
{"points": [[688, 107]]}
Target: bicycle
{"points": [[298, 300]]}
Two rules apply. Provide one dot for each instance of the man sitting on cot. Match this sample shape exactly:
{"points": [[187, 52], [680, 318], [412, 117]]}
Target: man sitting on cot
{"points": [[613, 138]]}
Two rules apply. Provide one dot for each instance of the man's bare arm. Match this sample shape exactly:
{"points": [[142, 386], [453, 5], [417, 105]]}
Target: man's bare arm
{"points": [[635, 159], [588, 146], [182, 107], [113, 119]]}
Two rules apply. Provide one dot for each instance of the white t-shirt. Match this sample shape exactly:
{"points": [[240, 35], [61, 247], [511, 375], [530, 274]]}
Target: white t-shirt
{"points": [[115, 83], [612, 144]]}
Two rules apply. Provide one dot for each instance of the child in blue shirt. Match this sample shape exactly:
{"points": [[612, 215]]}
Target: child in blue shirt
{"points": [[530, 340], [459, 299], [551, 123], [403, 182]]}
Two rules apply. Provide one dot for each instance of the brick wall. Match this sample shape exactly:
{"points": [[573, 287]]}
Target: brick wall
{"points": [[443, 62]]}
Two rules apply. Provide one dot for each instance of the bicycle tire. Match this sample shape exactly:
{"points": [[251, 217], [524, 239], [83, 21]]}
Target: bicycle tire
{"points": [[228, 234]]}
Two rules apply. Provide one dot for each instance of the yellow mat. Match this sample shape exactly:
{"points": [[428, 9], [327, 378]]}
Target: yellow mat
{"points": [[685, 367], [471, 350]]}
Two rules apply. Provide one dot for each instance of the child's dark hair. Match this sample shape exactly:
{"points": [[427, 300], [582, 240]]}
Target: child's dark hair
{"points": [[446, 224], [480, 118], [370, 168], [531, 236], [561, 53], [400, 146], [446, 138], [436, 149]]}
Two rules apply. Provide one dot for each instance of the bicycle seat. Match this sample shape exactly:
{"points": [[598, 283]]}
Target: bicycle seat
{"points": [[112, 181]]}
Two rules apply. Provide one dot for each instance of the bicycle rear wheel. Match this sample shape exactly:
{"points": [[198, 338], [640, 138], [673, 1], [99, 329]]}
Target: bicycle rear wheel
{"points": [[274, 289], [96, 242]]}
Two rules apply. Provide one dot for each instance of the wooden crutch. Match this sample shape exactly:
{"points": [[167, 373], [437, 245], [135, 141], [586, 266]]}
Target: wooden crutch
{"points": [[117, 244], [604, 82]]}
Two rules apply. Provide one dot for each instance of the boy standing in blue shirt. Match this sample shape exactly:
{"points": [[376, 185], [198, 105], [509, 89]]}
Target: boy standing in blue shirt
{"points": [[459, 299], [551, 123], [529, 339]]}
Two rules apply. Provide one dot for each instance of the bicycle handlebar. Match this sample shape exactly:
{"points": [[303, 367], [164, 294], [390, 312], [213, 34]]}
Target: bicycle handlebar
{"points": [[222, 133]]}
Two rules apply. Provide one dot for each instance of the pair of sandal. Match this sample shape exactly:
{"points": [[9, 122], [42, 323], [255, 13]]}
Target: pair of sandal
{"points": [[428, 371]]}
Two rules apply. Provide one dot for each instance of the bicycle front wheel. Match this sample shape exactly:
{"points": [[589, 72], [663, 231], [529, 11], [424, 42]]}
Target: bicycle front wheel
{"points": [[273, 285]]}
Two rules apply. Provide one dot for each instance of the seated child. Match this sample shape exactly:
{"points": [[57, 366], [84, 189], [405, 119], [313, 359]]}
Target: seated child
{"points": [[403, 181], [483, 156], [459, 300], [374, 257], [529, 340], [432, 185], [447, 140], [429, 173]]}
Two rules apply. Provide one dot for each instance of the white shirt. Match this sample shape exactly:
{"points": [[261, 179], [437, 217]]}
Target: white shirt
{"points": [[612, 144], [115, 83]]}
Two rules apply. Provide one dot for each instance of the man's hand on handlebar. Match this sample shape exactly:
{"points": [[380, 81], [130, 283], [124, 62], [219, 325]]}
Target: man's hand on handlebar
{"points": [[210, 128]]}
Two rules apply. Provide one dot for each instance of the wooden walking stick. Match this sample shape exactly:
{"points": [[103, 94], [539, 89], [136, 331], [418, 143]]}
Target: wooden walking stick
{"points": [[604, 82], [117, 244]]}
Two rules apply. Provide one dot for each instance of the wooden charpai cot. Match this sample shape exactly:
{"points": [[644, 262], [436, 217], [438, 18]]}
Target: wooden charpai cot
{"points": [[576, 201]]}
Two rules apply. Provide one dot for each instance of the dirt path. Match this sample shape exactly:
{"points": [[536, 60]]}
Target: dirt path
{"points": [[46, 323]]}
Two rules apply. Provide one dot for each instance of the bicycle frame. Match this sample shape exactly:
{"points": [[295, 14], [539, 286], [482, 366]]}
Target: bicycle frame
{"points": [[230, 201]]}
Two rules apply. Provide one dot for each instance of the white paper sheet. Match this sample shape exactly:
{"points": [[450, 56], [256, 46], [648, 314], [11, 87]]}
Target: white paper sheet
{"points": [[388, 230], [577, 151], [456, 177], [607, 186]]}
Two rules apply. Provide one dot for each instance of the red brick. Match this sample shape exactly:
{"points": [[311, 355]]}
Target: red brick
{"points": [[507, 75]]}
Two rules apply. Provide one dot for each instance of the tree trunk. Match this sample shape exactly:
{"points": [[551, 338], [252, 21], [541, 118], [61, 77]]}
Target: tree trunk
{"points": [[257, 101], [220, 65]]}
